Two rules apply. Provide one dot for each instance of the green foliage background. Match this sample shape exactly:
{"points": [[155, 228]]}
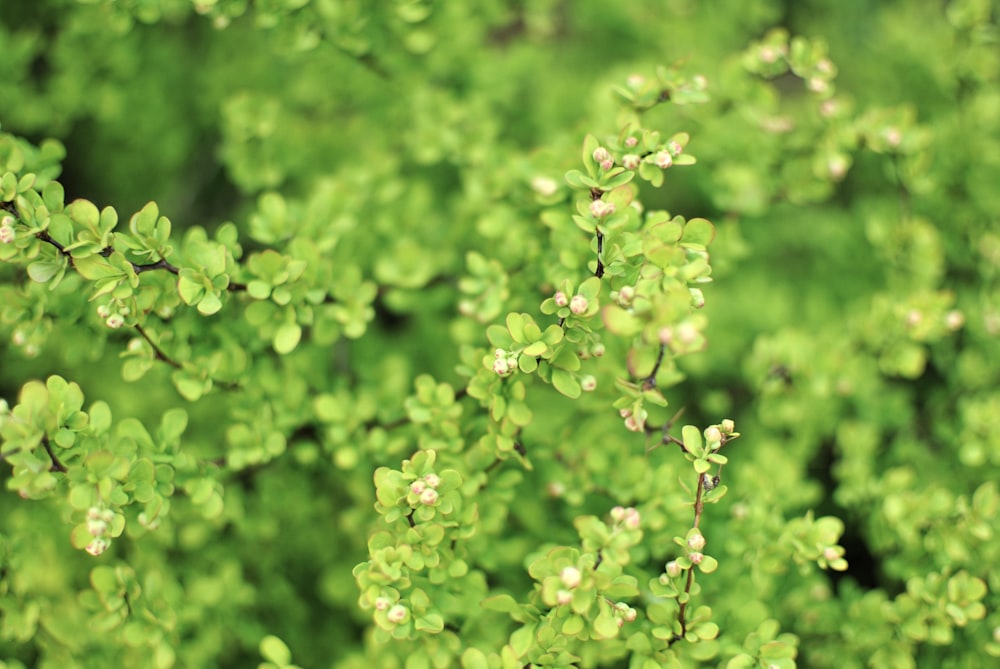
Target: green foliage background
{"points": [[853, 325]]}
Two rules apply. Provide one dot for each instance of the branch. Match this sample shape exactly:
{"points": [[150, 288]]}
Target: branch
{"points": [[57, 466]]}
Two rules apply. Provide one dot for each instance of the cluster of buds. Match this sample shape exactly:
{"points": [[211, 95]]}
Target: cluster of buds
{"points": [[426, 489], [7, 232], [636, 422], [113, 318], [717, 435], [596, 351], [99, 526], [628, 517], [601, 208], [603, 158], [504, 362], [623, 613], [624, 296]]}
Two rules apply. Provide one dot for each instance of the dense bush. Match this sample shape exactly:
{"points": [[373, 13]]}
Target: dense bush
{"points": [[429, 338]]}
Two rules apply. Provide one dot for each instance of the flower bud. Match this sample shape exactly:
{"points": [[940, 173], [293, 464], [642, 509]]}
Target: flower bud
{"points": [[564, 596], [501, 367], [601, 208], [601, 155], [560, 299], [397, 613], [634, 424], [830, 553], [544, 186], [382, 603], [598, 350], [630, 161], [631, 142], [618, 514], [696, 542], [96, 527], [103, 310], [954, 319], [673, 569], [713, 434], [588, 383], [626, 295], [570, 576], [697, 298], [687, 333], [115, 321], [663, 160], [728, 426], [418, 487], [666, 335], [696, 557], [675, 148], [97, 546], [629, 614], [7, 233], [578, 304], [433, 480], [632, 518], [429, 497]]}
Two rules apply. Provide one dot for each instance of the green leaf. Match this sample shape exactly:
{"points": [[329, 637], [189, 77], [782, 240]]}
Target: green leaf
{"points": [[274, 649], [84, 212], [619, 321], [209, 304], [41, 271], [699, 232], [287, 337], [473, 658], [741, 661], [566, 383], [691, 437]]}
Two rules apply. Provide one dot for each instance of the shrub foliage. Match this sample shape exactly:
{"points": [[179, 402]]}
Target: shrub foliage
{"points": [[433, 330]]}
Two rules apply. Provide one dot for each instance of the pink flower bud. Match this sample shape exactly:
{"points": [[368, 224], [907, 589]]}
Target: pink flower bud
{"points": [[629, 615], [564, 597], [588, 383], [624, 413], [115, 321], [418, 487], [618, 514], [96, 527], [601, 208], [696, 557], [433, 480], [768, 54], [560, 299], [673, 569], [626, 295], [499, 353], [97, 546], [397, 614], [632, 518], [830, 553], [578, 304], [382, 603], [663, 160], [570, 576], [630, 161], [631, 142], [600, 155], [429, 497], [598, 350], [607, 164], [635, 424], [666, 335], [675, 148], [696, 542], [687, 333], [500, 367], [7, 234]]}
